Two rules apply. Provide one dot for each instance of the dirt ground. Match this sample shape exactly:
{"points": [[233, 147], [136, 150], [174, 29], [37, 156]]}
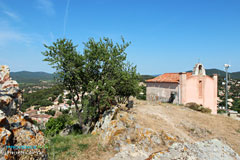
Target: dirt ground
{"points": [[188, 125]]}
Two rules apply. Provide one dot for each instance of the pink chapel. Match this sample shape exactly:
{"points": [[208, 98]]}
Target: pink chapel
{"points": [[185, 87]]}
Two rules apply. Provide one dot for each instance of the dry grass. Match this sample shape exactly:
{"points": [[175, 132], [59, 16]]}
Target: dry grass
{"points": [[197, 126], [75, 147]]}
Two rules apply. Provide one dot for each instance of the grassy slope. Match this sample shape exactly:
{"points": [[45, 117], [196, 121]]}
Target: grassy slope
{"points": [[75, 147]]}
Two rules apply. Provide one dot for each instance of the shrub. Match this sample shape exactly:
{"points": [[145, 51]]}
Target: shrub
{"points": [[51, 112], [65, 111], [197, 107], [55, 125], [69, 102], [221, 111], [142, 90], [60, 100]]}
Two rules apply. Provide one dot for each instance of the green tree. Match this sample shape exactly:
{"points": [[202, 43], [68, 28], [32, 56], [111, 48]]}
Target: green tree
{"points": [[60, 99], [105, 62], [62, 56], [51, 112], [127, 84], [102, 72], [69, 102], [55, 125]]}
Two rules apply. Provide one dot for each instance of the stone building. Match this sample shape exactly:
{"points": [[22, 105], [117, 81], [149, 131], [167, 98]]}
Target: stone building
{"points": [[185, 87]]}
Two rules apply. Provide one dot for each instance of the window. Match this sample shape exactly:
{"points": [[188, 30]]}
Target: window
{"points": [[200, 89], [200, 70]]}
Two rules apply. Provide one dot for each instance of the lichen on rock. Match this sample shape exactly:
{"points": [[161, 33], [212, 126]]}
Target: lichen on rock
{"points": [[120, 130], [16, 130]]}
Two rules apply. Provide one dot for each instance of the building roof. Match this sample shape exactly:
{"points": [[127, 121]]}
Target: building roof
{"points": [[168, 78], [41, 116], [31, 112]]}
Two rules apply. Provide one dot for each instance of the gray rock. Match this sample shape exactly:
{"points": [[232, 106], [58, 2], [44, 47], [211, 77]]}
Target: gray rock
{"points": [[130, 152], [205, 150]]}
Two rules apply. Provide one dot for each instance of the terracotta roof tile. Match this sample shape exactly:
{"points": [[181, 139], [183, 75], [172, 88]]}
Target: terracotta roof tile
{"points": [[168, 77]]}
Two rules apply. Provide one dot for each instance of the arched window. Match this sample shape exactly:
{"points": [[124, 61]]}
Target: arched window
{"points": [[200, 70]]}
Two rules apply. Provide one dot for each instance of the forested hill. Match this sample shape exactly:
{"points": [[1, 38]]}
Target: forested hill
{"points": [[35, 77], [31, 77], [233, 75]]}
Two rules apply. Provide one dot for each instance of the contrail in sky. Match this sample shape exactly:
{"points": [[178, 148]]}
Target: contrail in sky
{"points": [[65, 18]]}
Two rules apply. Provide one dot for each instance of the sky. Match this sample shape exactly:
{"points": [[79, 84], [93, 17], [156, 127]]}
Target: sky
{"points": [[165, 35]]}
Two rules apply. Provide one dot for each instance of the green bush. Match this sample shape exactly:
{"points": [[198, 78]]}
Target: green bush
{"points": [[51, 112], [220, 111], [55, 125], [60, 100], [197, 107], [236, 109], [69, 102], [142, 96], [65, 111]]}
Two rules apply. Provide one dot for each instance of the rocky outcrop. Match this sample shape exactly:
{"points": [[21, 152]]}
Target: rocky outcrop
{"points": [[10, 94], [120, 130], [210, 149], [20, 138], [133, 142]]}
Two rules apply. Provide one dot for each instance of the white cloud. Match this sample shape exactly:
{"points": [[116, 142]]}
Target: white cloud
{"points": [[13, 36], [10, 35], [65, 17], [11, 15], [46, 6], [7, 11]]}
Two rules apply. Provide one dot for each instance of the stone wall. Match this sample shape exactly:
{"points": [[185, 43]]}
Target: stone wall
{"points": [[16, 130], [162, 92]]}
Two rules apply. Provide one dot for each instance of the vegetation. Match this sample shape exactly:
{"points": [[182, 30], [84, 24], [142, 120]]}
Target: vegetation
{"points": [[75, 147], [69, 102], [44, 97], [142, 93], [60, 100], [69, 65], [197, 107], [233, 93], [101, 71], [31, 77], [238, 130], [55, 125], [51, 112], [143, 78], [221, 111]]}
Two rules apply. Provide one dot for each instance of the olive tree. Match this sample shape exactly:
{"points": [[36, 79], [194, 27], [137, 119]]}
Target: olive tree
{"points": [[69, 65]]}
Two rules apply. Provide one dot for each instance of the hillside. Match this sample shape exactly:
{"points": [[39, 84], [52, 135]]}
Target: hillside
{"points": [[31, 77], [221, 73], [156, 127], [233, 75], [187, 124], [35, 77]]}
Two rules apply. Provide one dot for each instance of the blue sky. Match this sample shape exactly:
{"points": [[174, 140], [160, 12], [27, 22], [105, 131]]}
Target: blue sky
{"points": [[166, 35]]}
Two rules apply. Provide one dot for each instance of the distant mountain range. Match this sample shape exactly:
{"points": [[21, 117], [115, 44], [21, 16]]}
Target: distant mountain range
{"points": [[35, 77], [31, 77], [210, 72], [233, 75]]}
